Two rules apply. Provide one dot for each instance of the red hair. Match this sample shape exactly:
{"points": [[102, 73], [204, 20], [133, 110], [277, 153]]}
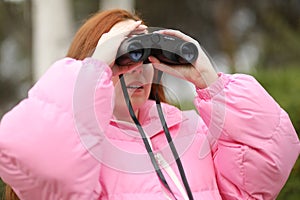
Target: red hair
{"points": [[86, 38], [10, 194]]}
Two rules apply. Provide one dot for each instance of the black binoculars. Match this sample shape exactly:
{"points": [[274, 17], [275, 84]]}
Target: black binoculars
{"points": [[168, 49]]}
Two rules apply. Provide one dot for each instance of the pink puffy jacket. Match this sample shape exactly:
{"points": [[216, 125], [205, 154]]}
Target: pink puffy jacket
{"points": [[62, 142]]}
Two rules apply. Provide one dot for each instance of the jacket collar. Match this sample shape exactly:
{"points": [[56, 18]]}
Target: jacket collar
{"points": [[150, 120]]}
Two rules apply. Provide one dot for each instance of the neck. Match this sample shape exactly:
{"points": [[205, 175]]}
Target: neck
{"points": [[125, 116]]}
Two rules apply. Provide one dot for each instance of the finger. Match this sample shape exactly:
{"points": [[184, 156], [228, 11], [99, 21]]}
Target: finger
{"points": [[160, 66], [153, 60], [128, 24], [136, 25], [123, 28], [141, 29], [178, 34]]}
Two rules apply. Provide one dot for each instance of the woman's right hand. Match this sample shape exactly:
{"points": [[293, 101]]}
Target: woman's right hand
{"points": [[109, 43], [201, 72]]}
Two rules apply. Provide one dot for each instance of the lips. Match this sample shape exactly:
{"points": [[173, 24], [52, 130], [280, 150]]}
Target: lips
{"points": [[135, 86]]}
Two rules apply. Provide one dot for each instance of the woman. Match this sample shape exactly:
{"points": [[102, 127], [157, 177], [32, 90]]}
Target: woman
{"points": [[77, 137]]}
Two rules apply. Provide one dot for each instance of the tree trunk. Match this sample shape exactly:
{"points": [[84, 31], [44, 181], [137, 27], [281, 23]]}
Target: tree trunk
{"points": [[123, 4], [52, 29], [222, 16]]}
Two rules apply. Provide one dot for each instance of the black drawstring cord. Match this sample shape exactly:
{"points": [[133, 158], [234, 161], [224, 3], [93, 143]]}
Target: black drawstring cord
{"points": [[146, 143]]}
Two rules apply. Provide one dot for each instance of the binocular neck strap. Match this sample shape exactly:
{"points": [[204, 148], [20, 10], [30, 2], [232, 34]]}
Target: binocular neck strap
{"points": [[144, 137], [170, 141], [167, 134]]}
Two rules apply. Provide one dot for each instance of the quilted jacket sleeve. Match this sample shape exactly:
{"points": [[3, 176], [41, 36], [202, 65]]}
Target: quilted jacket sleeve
{"points": [[254, 143], [43, 146]]}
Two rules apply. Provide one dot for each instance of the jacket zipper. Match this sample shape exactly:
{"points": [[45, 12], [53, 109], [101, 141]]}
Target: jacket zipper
{"points": [[163, 163]]}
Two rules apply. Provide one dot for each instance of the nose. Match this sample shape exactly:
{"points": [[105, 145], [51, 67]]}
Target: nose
{"points": [[137, 70]]}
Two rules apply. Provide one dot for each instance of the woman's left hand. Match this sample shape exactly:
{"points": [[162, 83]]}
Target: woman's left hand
{"points": [[201, 72]]}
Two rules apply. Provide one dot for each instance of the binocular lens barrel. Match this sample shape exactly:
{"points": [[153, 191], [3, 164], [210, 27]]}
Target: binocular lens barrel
{"points": [[136, 52], [136, 55], [188, 51], [168, 49]]}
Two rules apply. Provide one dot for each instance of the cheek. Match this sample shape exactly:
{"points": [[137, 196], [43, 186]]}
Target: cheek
{"points": [[117, 84], [118, 88], [148, 73], [148, 90], [115, 80]]}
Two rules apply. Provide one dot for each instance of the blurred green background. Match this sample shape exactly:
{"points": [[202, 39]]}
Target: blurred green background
{"points": [[261, 38]]}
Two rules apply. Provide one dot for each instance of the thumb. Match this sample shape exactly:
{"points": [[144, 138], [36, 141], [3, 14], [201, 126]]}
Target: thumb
{"points": [[161, 66]]}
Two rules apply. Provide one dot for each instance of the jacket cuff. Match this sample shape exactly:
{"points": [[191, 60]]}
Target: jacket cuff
{"points": [[214, 89]]}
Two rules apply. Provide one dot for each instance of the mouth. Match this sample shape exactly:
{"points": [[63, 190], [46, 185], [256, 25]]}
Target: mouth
{"points": [[136, 86]]}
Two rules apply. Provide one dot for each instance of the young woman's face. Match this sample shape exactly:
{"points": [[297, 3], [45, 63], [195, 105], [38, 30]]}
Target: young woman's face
{"points": [[138, 83]]}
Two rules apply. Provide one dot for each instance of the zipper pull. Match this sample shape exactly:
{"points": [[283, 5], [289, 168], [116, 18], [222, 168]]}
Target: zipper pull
{"points": [[160, 160]]}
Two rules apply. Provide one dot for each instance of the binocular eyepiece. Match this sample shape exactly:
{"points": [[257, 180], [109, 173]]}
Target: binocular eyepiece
{"points": [[168, 49]]}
